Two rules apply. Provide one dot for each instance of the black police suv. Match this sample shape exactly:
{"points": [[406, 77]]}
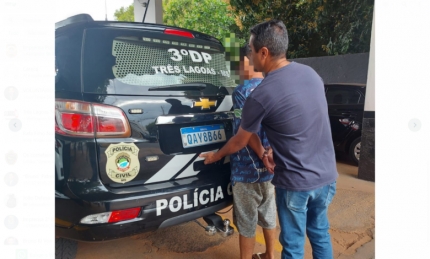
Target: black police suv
{"points": [[346, 108], [135, 104]]}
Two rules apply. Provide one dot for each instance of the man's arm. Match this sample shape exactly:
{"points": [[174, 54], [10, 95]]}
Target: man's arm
{"points": [[265, 155], [236, 143], [255, 144]]}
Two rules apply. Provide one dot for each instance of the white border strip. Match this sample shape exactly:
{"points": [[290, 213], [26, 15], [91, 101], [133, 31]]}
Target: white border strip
{"points": [[226, 104], [189, 171], [171, 168]]}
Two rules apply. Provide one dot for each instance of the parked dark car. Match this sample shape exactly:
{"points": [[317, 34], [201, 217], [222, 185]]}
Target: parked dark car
{"points": [[135, 104], [346, 108]]}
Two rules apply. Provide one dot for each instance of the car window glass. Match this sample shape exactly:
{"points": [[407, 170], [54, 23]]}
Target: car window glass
{"points": [[68, 61], [121, 62], [361, 99], [343, 96]]}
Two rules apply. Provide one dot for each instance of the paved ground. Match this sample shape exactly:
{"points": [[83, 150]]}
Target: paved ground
{"points": [[351, 215]]}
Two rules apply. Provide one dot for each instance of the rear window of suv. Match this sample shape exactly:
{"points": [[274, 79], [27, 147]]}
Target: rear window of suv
{"points": [[339, 95], [118, 61]]}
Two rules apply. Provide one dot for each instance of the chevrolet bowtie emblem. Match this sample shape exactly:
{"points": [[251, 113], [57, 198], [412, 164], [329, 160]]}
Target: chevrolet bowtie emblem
{"points": [[204, 103]]}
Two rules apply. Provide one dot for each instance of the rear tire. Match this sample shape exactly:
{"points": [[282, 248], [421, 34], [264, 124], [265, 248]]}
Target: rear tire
{"points": [[354, 150], [65, 248]]}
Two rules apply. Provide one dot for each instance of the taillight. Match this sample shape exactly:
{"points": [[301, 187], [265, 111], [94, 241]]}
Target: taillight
{"points": [[110, 121], [74, 118], [121, 215], [112, 216], [77, 122], [179, 33], [344, 121], [355, 126], [84, 119]]}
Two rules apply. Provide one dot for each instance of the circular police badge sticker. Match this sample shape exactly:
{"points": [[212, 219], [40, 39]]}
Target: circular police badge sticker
{"points": [[122, 162]]}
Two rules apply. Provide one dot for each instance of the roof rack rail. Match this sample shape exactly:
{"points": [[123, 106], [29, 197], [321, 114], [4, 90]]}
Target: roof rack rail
{"points": [[74, 19]]}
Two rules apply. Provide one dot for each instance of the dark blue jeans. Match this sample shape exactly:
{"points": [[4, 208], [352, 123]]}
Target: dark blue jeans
{"points": [[305, 212]]}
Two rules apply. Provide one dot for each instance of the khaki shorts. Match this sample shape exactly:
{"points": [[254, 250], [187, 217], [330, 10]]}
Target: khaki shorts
{"points": [[254, 203]]}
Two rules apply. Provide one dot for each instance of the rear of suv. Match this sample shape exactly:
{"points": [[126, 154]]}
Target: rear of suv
{"points": [[135, 105], [346, 109]]}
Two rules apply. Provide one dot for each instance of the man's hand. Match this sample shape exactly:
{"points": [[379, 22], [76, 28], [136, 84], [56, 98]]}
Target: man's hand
{"points": [[236, 143], [269, 164], [268, 161], [209, 157]]}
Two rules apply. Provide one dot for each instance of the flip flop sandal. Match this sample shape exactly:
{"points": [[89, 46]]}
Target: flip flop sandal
{"points": [[256, 256]]}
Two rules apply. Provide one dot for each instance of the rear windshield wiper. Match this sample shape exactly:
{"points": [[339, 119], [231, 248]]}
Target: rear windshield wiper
{"points": [[181, 87]]}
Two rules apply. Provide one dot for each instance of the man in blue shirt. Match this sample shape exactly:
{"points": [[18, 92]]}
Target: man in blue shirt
{"points": [[253, 193], [291, 107]]}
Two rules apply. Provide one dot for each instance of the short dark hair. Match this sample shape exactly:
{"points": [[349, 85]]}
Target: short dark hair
{"points": [[244, 52], [273, 35]]}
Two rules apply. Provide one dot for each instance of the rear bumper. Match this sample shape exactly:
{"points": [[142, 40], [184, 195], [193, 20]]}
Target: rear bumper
{"points": [[106, 232], [163, 205]]}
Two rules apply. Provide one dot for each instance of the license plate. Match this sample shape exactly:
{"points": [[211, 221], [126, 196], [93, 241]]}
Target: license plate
{"points": [[202, 135]]}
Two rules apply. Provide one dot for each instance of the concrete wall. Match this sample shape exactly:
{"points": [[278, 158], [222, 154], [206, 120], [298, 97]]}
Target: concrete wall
{"points": [[369, 104], [154, 14], [351, 68], [366, 168]]}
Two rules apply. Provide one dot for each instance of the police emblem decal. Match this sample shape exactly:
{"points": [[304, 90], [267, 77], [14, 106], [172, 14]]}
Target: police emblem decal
{"points": [[122, 162]]}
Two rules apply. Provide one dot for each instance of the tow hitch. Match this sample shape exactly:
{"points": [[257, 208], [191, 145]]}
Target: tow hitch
{"points": [[217, 224]]}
